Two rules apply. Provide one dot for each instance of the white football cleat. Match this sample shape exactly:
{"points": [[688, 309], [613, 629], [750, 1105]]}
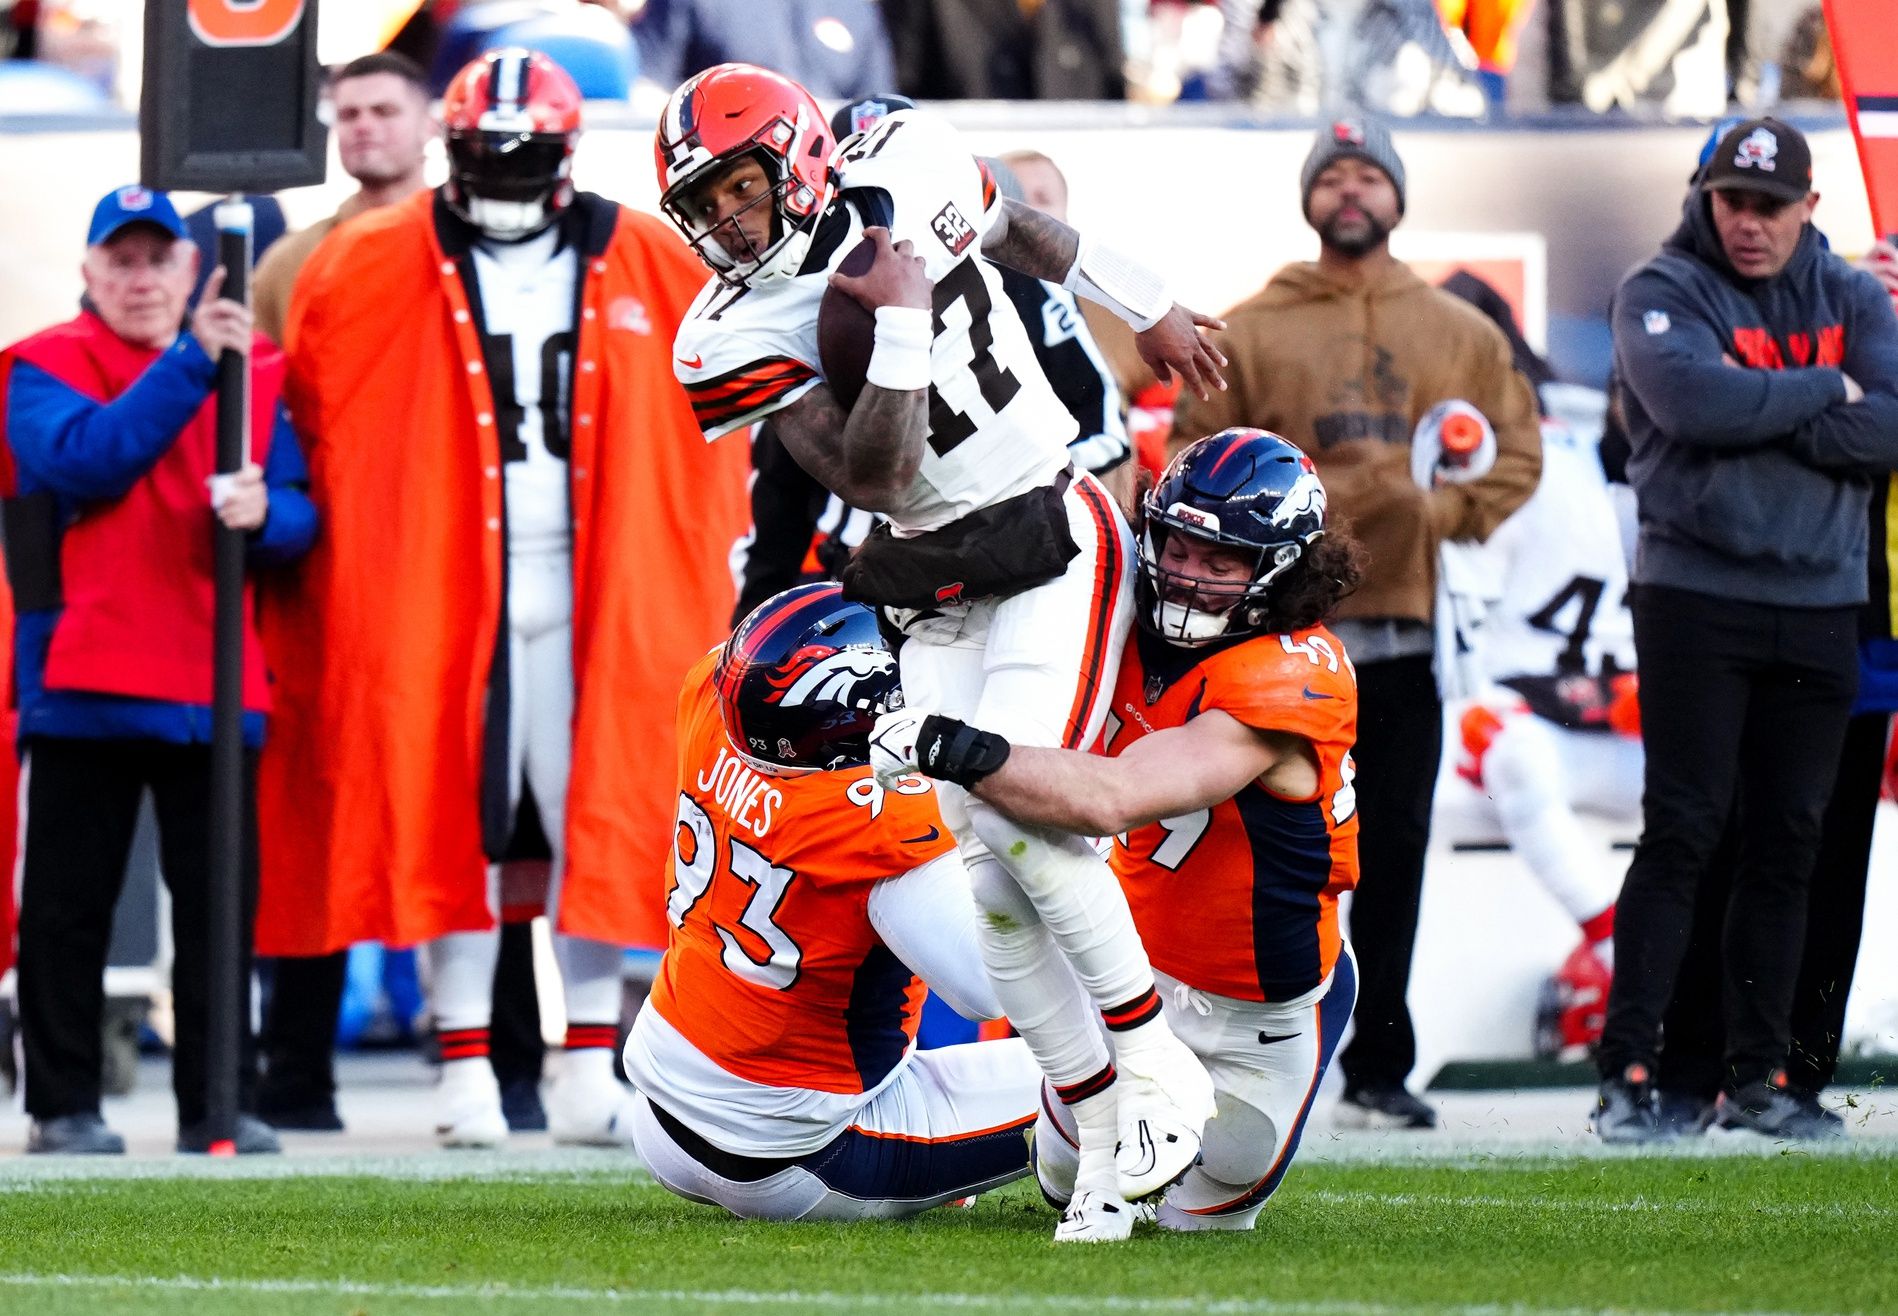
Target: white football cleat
{"points": [[589, 1109], [1165, 1097], [1095, 1217], [468, 1106]]}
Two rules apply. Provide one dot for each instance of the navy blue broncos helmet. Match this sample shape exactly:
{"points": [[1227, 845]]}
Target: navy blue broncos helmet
{"points": [[803, 679], [1246, 490]]}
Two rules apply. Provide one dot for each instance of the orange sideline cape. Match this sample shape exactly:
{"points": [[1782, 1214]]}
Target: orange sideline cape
{"points": [[369, 787]]}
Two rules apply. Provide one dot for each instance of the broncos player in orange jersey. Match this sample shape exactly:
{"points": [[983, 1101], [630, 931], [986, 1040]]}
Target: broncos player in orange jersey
{"points": [[776, 1055], [1226, 783]]}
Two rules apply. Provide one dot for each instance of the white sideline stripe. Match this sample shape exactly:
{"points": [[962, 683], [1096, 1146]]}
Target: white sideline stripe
{"points": [[1878, 123], [762, 1298], [1787, 1210]]}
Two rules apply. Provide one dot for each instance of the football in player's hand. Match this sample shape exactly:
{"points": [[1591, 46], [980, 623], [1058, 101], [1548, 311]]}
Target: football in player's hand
{"points": [[846, 330]]}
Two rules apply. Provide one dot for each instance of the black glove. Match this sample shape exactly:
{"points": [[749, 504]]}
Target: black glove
{"points": [[955, 751]]}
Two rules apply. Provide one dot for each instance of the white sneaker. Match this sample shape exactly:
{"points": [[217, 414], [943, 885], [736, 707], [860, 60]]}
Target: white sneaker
{"points": [[586, 1108], [1165, 1098], [1095, 1217], [468, 1106]]}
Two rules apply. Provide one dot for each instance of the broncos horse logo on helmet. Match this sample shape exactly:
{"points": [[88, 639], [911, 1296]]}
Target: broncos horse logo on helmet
{"points": [[803, 679], [725, 114], [1244, 490]]}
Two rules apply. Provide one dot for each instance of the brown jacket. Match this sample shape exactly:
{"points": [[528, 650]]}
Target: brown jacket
{"points": [[277, 272], [1346, 370]]}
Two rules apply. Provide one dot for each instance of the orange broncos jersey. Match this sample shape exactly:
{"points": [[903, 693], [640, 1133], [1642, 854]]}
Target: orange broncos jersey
{"points": [[773, 969], [1241, 899]]}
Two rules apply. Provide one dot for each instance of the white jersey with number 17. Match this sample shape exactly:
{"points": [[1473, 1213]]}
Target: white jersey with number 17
{"points": [[996, 428]]}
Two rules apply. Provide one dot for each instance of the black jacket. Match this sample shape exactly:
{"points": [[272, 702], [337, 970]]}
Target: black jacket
{"points": [[1753, 483]]}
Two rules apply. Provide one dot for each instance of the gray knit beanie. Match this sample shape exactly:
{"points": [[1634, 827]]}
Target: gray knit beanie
{"points": [[1354, 136]]}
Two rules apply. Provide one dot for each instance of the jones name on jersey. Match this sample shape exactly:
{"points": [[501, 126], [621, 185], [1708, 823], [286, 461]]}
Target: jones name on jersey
{"points": [[996, 428]]}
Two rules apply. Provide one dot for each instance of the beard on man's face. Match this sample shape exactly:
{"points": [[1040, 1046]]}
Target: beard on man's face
{"points": [[1355, 236]]}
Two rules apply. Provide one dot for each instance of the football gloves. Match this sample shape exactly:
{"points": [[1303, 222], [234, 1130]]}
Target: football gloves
{"points": [[911, 740]]}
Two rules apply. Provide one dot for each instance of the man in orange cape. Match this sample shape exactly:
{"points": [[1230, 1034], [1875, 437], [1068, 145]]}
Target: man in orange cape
{"points": [[526, 550]]}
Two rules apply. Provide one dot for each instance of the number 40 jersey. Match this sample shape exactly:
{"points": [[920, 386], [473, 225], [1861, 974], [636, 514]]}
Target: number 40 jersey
{"points": [[1241, 900], [996, 428]]}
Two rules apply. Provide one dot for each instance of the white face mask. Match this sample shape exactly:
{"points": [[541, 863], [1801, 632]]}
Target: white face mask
{"points": [[507, 219], [1180, 624]]}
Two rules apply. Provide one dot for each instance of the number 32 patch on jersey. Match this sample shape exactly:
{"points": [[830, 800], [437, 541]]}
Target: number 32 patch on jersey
{"points": [[955, 231]]}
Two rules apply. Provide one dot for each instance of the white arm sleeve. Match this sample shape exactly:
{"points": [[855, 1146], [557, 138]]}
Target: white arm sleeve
{"points": [[927, 919]]}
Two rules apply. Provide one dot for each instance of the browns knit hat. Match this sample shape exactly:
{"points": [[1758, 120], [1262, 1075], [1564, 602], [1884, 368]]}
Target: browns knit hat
{"points": [[1352, 137]]}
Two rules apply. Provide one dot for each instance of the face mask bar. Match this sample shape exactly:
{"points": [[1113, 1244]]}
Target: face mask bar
{"points": [[732, 265], [1191, 610], [509, 166]]}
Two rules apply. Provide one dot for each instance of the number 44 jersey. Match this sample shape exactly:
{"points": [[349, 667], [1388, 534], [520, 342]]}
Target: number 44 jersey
{"points": [[1241, 900], [996, 428]]}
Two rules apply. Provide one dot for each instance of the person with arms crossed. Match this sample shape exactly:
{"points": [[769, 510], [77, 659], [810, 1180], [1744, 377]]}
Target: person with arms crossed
{"points": [[1227, 785], [776, 1053], [525, 540], [1005, 574], [1761, 396]]}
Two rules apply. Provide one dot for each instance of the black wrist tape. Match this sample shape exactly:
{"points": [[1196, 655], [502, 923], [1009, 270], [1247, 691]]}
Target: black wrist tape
{"points": [[955, 751]]}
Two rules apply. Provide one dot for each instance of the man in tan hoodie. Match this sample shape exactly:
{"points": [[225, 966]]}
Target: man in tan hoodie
{"points": [[1344, 357]]}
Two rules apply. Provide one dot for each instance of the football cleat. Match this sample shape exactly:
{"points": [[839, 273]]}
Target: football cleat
{"points": [[468, 1106], [1096, 1217], [1626, 1110], [590, 1110], [1164, 1098], [1393, 1107]]}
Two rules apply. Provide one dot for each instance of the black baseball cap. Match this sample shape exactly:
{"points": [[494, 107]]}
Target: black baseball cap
{"points": [[1761, 155]]}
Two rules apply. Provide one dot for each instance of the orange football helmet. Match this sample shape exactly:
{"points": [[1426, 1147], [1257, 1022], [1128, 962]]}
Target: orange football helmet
{"points": [[729, 112], [511, 120]]}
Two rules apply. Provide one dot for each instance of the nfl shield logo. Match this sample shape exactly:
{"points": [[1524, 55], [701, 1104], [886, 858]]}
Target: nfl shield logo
{"points": [[1155, 688]]}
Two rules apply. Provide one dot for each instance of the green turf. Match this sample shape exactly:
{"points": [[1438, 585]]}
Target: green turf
{"points": [[1761, 1233]]}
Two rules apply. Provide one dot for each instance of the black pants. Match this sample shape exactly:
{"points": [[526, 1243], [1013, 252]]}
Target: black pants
{"points": [[1693, 1039], [299, 1032], [1400, 738], [82, 801], [1745, 701]]}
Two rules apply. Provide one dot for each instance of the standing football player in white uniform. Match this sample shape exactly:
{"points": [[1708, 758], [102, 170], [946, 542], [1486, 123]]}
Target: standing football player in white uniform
{"points": [[1006, 573]]}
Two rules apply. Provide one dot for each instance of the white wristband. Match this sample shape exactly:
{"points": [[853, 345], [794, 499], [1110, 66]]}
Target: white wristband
{"points": [[1122, 284], [900, 360]]}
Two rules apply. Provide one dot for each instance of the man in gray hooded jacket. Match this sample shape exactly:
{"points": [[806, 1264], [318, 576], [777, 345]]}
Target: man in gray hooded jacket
{"points": [[1761, 378]]}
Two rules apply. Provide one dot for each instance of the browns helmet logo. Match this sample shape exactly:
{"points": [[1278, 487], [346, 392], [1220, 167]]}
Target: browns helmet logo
{"points": [[820, 674]]}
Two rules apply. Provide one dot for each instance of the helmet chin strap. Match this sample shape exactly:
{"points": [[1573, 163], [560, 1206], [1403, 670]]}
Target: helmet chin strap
{"points": [[508, 220]]}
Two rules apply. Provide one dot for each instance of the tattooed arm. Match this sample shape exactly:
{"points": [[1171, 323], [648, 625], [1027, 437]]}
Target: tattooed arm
{"points": [[868, 457], [1028, 240], [1169, 340]]}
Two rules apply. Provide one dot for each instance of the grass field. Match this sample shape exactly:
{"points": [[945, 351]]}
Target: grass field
{"points": [[1762, 1232]]}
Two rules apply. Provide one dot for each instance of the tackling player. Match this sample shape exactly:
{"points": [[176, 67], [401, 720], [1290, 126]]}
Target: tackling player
{"points": [[1006, 573], [1227, 787], [774, 1054]]}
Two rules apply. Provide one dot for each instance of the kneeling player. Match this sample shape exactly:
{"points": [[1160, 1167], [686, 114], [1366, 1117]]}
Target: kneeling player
{"points": [[1228, 783], [775, 1056]]}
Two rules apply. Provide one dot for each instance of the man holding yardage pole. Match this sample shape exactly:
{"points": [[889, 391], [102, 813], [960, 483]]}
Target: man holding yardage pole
{"points": [[112, 440]]}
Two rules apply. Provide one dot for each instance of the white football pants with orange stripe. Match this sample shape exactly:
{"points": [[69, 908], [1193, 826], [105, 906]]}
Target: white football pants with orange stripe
{"points": [[1266, 1062], [1039, 667], [953, 1122]]}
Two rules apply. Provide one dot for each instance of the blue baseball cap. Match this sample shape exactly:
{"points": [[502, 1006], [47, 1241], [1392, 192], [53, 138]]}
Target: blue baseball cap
{"points": [[125, 206]]}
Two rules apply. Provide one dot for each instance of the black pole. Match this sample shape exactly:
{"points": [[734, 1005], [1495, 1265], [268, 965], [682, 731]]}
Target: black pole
{"points": [[226, 998]]}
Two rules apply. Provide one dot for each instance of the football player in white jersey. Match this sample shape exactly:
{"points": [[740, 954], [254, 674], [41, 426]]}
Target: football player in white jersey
{"points": [[1560, 730], [1006, 573]]}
